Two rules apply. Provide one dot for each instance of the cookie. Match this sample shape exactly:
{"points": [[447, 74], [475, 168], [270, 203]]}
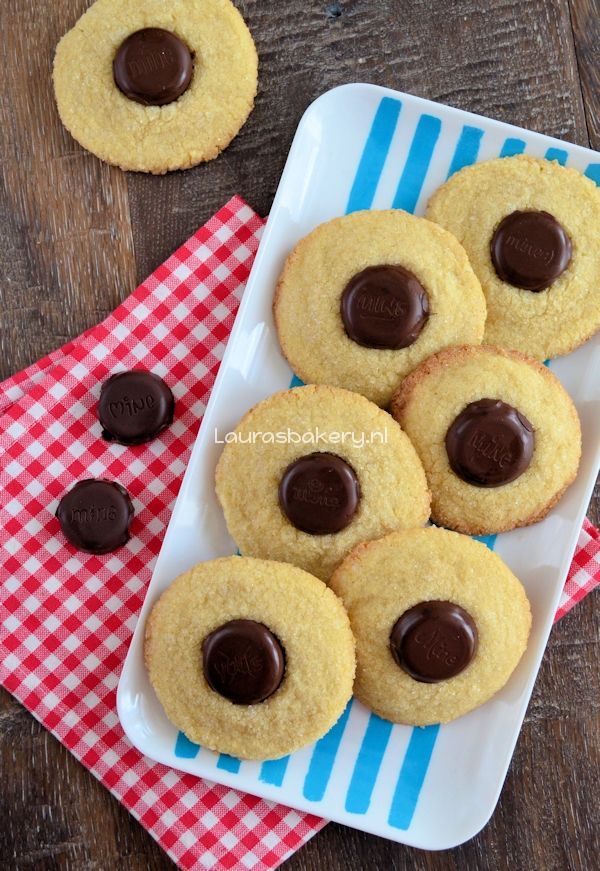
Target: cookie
{"points": [[530, 228], [497, 433], [154, 86], [440, 623], [249, 657], [364, 298], [310, 472]]}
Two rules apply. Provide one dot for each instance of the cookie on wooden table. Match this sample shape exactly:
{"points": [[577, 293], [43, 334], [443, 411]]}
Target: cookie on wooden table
{"points": [[364, 298], [440, 623], [249, 657], [155, 86], [312, 471], [530, 228], [497, 433]]}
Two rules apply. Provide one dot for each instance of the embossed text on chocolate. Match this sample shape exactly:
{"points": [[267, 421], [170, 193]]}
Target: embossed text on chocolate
{"points": [[376, 305], [435, 645], [316, 493], [149, 62], [93, 514], [525, 246], [130, 407], [492, 448], [247, 663]]}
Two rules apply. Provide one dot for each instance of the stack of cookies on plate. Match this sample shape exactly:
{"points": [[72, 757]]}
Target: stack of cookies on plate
{"points": [[421, 342]]}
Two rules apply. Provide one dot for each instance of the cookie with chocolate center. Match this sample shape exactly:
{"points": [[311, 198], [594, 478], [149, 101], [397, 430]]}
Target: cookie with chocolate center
{"points": [[530, 229], [249, 657], [310, 472], [153, 86], [440, 623], [363, 299], [497, 433]]}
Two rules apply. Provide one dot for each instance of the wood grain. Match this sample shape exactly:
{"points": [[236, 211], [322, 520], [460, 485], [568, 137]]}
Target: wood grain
{"points": [[66, 258], [585, 18], [70, 227]]}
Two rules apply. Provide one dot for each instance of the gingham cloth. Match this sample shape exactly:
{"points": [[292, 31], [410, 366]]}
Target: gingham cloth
{"points": [[66, 618]]}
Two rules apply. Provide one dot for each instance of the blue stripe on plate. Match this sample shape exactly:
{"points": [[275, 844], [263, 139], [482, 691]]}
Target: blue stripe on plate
{"points": [[557, 154], [422, 741], [273, 771], [488, 540], [322, 759], [467, 148], [417, 758], [184, 748], [296, 382], [511, 147], [361, 197], [593, 172], [368, 763], [228, 763], [417, 163], [363, 189], [374, 155], [412, 774]]}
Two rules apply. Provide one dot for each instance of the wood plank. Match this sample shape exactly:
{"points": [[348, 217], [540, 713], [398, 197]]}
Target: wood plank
{"points": [[67, 257], [585, 18]]}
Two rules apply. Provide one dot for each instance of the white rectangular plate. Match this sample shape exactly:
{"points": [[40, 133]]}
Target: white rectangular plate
{"points": [[361, 146]]}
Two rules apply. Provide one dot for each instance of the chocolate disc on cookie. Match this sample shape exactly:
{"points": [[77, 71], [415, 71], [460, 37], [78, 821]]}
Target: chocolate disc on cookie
{"points": [[153, 67], [243, 661], [319, 493], [530, 250], [134, 407], [95, 515], [490, 443], [384, 307], [434, 641]]}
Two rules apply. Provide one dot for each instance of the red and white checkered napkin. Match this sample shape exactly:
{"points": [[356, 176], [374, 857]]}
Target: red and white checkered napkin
{"points": [[66, 618]]}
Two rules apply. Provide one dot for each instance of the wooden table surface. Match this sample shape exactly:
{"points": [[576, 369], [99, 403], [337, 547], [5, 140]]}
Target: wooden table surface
{"points": [[77, 236]]}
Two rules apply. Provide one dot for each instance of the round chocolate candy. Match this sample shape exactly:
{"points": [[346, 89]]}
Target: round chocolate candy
{"points": [[95, 515], [490, 443], [434, 641], [153, 67], [243, 661], [319, 493], [384, 307], [530, 250], [134, 407]]}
